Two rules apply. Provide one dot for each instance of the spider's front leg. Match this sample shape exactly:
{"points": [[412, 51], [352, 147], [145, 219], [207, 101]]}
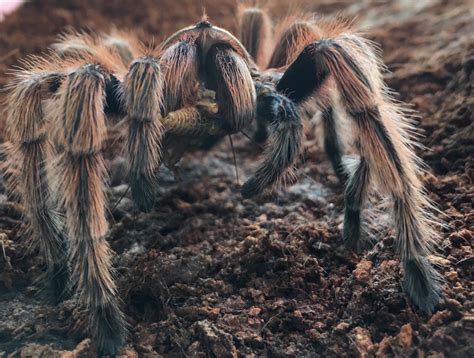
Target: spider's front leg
{"points": [[143, 100], [228, 74], [347, 64], [284, 143], [239, 100]]}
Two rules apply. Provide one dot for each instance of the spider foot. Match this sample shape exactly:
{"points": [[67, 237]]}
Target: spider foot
{"points": [[422, 283], [250, 189], [112, 331], [55, 284], [355, 238]]}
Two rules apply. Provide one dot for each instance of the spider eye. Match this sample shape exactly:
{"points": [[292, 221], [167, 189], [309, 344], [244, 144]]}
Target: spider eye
{"points": [[203, 24]]}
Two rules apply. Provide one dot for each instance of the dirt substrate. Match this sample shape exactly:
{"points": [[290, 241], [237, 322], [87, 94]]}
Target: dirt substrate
{"points": [[209, 274]]}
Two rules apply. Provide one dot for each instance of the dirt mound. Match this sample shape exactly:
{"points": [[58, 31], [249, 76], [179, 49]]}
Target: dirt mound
{"points": [[210, 274]]}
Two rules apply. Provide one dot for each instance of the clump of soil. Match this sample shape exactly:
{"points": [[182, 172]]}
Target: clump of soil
{"points": [[209, 274]]}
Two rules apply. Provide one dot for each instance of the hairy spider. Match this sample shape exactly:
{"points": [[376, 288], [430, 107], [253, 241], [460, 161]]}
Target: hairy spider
{"points": [[200, 85]]}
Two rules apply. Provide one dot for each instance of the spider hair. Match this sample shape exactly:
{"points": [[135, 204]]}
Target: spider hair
{"points": [[56, 130], [179, 61], [235, 92], [142, 95], [256, 33], [28, 151], [343, 70], [80, 170], [283, 146]]}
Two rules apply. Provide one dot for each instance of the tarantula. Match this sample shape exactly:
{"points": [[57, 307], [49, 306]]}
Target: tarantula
{"points": [[200, 85]]}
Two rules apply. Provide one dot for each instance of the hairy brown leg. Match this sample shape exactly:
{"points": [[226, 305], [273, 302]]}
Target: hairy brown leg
{"points": [[121, 46], [385, 146], [142, 94], [291, 40], [255, 33], [332, 144], [80, 175], [228, 74], [29, 152], [180, 66], [356, 195]]}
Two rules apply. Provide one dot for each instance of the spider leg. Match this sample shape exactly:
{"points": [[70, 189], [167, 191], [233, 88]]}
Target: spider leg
{"points": [[145, 97], [10, 168], [180, 66], [385, 144], [355, 198], [332, 143], [77, 45], [29, 151], [229, 76], [80, 173], [142, 95], [291, 39], [122, 44], [284, 144], [256, 33]]}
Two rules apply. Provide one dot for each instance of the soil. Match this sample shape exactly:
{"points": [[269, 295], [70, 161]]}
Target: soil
{"points": [[208, 274]]}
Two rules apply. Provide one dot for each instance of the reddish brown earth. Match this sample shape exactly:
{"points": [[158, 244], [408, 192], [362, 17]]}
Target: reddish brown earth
{"points": [[210, 274]]}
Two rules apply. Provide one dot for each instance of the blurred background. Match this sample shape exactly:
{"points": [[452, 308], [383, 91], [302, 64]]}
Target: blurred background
{"points": [[208, 274]]}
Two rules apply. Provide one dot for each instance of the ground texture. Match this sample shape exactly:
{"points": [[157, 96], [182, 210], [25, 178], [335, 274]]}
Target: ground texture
{"points": [[209, 274]]}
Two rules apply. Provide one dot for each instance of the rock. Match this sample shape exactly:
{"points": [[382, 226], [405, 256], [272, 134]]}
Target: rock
{"points": [[362, 271], [128, 352], [251, 339], [35, 350], [363, 341], [406, 335], [452, 276], [438, 260], [439, 318], [342, 327], [460, 237], [298, 314], [455, 307], [290, 351], [384, 348], [254, 311], [83, 350], [468, 321], [249, 241], [217, 341], [314, 334]]}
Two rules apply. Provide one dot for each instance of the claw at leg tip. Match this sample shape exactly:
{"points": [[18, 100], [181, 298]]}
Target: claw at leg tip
{"points": [[249, 189]]}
